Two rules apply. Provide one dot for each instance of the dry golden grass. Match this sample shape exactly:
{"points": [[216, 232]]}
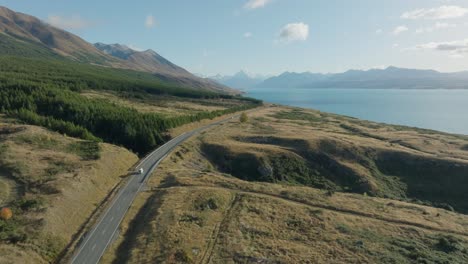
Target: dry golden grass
{"points": [[359, 150], [258, 221], [164, 105], [69, 187], [7, 190], [194, 125], [192, 213], [12, 255]]}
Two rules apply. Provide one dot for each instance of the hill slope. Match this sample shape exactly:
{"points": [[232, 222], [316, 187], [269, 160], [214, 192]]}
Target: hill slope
{"points": [[259, 192], [54, 184], [30, 92], [150, 61], [27, 36], [28, 28]]}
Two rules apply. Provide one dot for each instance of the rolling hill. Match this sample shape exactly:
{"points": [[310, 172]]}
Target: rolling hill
{"points": [[300, 186]]}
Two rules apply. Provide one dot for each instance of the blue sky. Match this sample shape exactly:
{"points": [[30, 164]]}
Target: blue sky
{"points": [[273, 36]]}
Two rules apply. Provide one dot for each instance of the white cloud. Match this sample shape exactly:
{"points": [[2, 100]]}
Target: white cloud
{"points": [[440, 25], [400, 29], [422, 30], [254, 4], [378, 67], [294, 32], [248, 34], [443, 12], [379, 31], [73, 22], [396, 45], [437, 26], [150, 21], [366, 68], [455, 49], [133, 47]]}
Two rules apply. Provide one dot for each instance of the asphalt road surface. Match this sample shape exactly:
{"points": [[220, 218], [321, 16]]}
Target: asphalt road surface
{"points": [[94, 244]]}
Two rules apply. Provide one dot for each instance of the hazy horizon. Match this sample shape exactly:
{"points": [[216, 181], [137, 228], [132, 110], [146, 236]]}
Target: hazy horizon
{"points": [[256, 75]]}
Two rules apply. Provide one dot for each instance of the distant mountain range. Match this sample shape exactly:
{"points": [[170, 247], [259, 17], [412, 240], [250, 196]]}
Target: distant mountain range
{"points": [[25, 35], [240, 80], [389, 78]]}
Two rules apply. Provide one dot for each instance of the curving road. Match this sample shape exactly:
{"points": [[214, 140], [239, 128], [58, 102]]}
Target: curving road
{"points": [[94, 243]]}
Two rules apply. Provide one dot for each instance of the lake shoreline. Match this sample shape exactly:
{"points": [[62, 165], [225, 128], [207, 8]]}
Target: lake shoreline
{"points": [[433, 109]]}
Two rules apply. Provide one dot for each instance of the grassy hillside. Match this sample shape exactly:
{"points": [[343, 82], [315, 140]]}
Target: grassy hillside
{"points": [[191, 212], [310, 148], [23, 47], [48, 93], [53, 184], [30, 29], [77, 76], [214, 219], [165, 105]]}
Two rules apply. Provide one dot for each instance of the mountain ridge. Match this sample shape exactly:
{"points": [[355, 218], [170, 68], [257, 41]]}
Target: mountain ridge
{"points": [[148, 60], [19, 28], [388, 78], [240, 80], [23, 26]]}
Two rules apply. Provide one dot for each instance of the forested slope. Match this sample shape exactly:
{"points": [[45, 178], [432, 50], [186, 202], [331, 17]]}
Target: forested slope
{"points": [[46, 93]]}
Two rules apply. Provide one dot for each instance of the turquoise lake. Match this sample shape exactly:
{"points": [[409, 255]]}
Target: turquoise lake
{"points": [[443, 110]]}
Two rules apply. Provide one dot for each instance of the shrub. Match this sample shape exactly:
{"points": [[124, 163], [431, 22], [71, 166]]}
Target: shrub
{"points": [[330, 192], [10, 231], [243, 118], [29, 204], [297, 115], [50, 246], [188, 218], [448, 244], [206, 204], [6, 213], [182, 257], [87, 150]]}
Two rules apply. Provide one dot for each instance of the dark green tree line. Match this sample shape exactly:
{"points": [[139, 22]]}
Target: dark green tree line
{"points": [[50, 99]]}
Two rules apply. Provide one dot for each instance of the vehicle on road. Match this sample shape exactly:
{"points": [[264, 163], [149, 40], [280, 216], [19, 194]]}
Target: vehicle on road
{"points": [[140, 171]]}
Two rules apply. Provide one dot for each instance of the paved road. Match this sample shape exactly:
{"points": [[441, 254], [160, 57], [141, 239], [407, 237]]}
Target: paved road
{"points": [[94, 244]]}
